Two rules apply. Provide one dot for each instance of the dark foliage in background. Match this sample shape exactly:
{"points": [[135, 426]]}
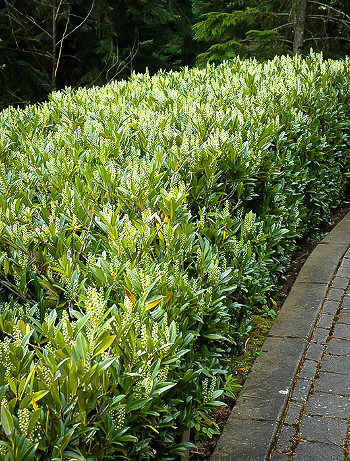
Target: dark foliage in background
{"points": [[251, 28], [50, 44]]}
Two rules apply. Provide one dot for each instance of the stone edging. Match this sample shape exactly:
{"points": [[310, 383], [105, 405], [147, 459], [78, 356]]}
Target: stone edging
{"points": [[254, 420]]}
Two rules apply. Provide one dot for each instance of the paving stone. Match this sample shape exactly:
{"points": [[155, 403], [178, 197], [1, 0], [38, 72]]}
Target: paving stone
{"points": [[308, 370], [343, 272], [340, 282], [301, 390], [245, 440], [335, 294], [320, 336], [326, 321], [322, 429], [285, 438], [346, 302], [279, 457], [339, 235], [330, 307], [328, 405], [341, 331], [293, 413], [272, 375], [312, 451], [315, 351], [300, 311], [315, 270], [336, 364], [258, 408], [338, 347], [344, 316], [333, 382]]}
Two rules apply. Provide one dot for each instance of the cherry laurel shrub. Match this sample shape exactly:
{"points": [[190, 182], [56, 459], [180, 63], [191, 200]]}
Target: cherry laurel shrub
{"points": [[141, 224]]}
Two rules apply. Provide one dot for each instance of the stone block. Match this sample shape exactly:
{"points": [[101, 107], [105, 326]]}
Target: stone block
{"points": [[285, 438], [311, 451], [336, 364], [338, 347], [321, 429], [293, 413], [308, 369], [322, 404], [333, 383], [340, 282], [300, 311], [301, 390], [330, 307], [342, 331], [335, 294], [320, 336], [245, 440], [325, 321]]}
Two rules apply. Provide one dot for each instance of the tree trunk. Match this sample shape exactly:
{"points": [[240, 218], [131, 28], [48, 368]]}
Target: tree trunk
{"points": [[186, 438], [299, 27]]}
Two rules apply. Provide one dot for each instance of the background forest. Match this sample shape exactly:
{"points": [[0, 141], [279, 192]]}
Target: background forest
{"points": [[49, 44]]}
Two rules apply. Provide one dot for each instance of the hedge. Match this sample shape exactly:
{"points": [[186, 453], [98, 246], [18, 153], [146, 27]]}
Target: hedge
{"points": [[141, 225]]}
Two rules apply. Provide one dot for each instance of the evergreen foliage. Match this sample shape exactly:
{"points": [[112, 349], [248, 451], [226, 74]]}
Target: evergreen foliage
{"points": [[141, 226], [91, 43], [246, 28], [264, 29]]}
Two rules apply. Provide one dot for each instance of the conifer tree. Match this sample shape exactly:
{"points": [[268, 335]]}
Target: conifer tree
{"points": [[264, 29]]}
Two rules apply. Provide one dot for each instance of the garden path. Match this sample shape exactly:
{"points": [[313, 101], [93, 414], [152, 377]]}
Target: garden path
{"points": [[316, 420], [295, 404]]}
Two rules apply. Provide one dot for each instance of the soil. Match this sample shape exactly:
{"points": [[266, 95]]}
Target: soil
{"points": [[260, 328]]}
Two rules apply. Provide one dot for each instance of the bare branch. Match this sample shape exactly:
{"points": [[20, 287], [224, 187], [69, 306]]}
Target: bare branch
{"points": [[79, 25], [325, 5], [15, 291], [284, 25], [271, 13], [279, 39], [32, 52], [61, 45], [126, 63], [58, 9], [31, 19], [12, 29], [329, 18], [326, 38]]}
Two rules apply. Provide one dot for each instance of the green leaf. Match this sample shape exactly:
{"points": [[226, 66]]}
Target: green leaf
{"points": [[138, 404], [73, 455], [7, 421], [103, 345], [106, 364], [162, 387], [39, 395], [34, 417], [6, 267]]}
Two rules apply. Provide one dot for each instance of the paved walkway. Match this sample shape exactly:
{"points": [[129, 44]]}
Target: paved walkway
{"points": [[316, 420], [295, 404]]}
